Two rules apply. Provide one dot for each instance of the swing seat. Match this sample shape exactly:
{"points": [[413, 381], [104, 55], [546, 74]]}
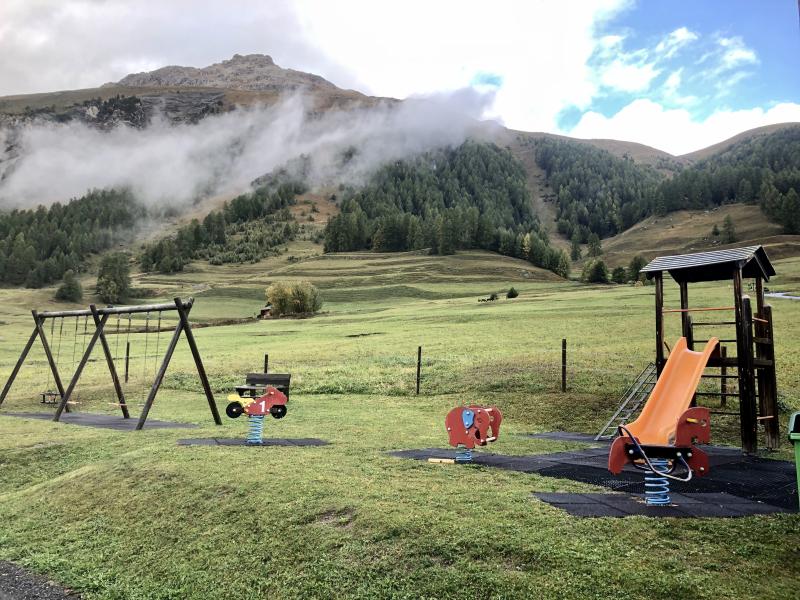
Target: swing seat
{"points": [[50, 397]]}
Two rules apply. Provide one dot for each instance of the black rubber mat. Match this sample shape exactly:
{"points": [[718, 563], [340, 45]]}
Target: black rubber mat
{"points": [[241, 442], [103, 421], [732, 472], [683, 505], [567, 436]]}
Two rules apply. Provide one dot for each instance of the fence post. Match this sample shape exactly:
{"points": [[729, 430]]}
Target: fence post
{"points": [[564, 364], [419, 365], [266, 363]]}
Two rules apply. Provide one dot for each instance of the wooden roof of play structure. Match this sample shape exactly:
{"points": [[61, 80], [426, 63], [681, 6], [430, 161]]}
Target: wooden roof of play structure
{"points": [[713, 266]]}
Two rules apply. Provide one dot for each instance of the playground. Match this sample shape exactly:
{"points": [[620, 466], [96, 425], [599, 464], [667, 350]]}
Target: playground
{"points": [[135, 514]]}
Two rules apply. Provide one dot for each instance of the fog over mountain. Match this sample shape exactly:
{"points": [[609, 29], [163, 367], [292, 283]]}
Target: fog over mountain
{"points": [[173, 164]]}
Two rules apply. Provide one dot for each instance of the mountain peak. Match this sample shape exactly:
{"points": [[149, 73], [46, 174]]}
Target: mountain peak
{"points": [[256, 72]]}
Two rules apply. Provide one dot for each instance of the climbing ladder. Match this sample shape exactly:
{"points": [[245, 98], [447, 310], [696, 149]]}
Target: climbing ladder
{"points": [[632, 401]]}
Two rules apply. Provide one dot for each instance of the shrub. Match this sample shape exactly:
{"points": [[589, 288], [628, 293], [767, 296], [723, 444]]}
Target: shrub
{"points": [[637, 264], [492, 296], [595, 272], [293, 298], [512, 293], [70, 290], [618, 275]]}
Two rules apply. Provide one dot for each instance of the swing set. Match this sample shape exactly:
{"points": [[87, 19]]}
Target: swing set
{"points": [[64, 397]]}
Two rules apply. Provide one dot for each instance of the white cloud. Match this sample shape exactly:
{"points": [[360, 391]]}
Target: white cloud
{"points": [[540, 49], [674, 130], [674, 41], [629, 77], [735, 53]]}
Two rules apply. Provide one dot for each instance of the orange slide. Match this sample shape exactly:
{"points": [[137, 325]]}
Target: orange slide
{"points": [[668, 427]]}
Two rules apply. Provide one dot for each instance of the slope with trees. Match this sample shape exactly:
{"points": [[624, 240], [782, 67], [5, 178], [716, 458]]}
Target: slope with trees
{"points": [[246, 229], [38, 246], [472, 196]]}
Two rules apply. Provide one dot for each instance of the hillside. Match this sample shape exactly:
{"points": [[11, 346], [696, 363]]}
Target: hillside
{"points": [[573, 189], [691, 231], [708, 152]]}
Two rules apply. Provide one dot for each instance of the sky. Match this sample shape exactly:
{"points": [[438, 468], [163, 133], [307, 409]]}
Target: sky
{"points": [[677, 75]]}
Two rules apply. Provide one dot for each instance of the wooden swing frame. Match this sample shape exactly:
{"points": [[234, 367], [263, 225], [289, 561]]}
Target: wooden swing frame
{"points": [[100, 317]]}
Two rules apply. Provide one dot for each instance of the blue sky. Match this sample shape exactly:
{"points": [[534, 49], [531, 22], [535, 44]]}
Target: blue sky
{"points": [[731, 54]]}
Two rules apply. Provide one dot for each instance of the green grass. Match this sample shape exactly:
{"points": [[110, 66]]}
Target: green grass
{"points": [[131, 515]]}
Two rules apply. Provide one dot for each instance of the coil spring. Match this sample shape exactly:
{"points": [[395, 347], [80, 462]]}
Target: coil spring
{"points": [[464, 455], [255, 429], [656, 487]]}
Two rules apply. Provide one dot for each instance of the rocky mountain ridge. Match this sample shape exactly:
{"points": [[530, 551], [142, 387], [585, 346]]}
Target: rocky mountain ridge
{"points": [[254, 72]]}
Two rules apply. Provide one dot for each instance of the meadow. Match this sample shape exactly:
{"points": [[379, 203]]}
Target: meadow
{"points": [[133, 515]]}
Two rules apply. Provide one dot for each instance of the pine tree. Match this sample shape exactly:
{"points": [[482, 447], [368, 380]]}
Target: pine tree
{"points": [[113, 278], [618, 275], [595, 247], [728, 231], [790, 211], [575, 249]]}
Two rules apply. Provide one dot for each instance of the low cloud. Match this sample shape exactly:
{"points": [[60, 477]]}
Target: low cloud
{"points": [[674, 129], [170, 165]]}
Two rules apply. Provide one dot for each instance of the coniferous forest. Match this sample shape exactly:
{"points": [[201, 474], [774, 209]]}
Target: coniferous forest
{"points": [[472, 196], [597, 192], [246, 229], [37, 246]]}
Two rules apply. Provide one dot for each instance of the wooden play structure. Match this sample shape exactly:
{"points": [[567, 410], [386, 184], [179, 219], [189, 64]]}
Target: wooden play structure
{"points": [[753, 364], [99, 318]]}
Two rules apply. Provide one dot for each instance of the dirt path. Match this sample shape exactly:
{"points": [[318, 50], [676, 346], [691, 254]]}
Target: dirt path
{"points": [[17, 584]]}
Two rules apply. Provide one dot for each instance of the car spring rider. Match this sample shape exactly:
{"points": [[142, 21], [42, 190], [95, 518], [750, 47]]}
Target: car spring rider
{"points": [[272, 402]]}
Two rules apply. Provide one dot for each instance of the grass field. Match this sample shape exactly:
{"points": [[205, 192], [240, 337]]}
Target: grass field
{"points": [[131, 515]]}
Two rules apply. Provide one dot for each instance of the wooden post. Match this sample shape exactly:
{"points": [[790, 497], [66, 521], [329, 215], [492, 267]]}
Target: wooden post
{"points": [[183, 312], [564, 364], [110, 362], [127, 359], [759, 297], [266, 364], [770, 383], [419, 366], [18, 366], [744, 359], [84, 359], [659, 281], [51, 361], [723, 381], [151, 397], [684, 287]]}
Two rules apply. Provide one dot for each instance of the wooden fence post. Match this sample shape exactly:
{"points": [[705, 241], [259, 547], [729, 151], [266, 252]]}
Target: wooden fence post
{"points": [[266, 363], [419, 365], [564, 364]]}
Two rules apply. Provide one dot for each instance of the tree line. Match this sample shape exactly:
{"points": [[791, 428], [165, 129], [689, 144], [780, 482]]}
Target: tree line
{"points": [[471, 196], [599, 193], [37, 246], [246, 229]]}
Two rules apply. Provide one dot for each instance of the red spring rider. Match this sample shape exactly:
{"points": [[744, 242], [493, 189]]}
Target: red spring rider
{"points": [[470, 426], [272, 402]]}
